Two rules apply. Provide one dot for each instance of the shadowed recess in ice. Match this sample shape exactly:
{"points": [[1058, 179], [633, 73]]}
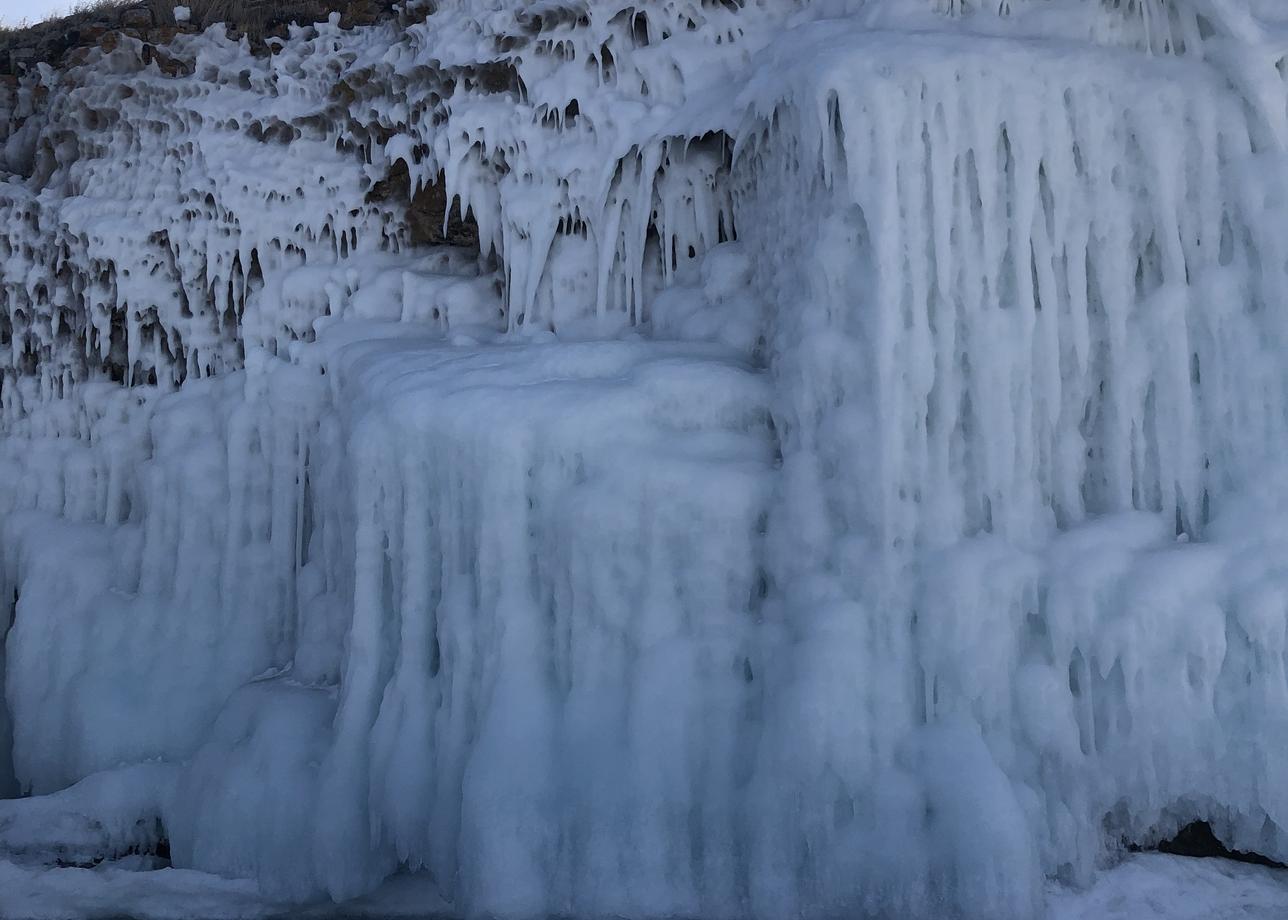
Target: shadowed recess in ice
{"points": [[725, 459]]}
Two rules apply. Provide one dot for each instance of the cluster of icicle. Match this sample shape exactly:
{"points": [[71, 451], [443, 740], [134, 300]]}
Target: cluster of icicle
{"points": [[153, 222], [861, 495], [574, 134], [156, 219]]}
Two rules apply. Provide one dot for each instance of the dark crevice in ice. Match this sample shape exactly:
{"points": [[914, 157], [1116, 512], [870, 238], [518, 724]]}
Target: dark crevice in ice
{"points": [[1197, 839]]}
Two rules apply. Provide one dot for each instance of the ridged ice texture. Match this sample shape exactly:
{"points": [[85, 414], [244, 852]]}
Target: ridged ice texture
{"points": [[589, 140], [183, 513], [1057, 294], [173, 206], [584, 138], [569, 590], [1031, 295], [954, 563], [165, 214]]}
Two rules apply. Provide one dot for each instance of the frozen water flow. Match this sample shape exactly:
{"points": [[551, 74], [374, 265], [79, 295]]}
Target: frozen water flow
{"points": [[731, 458]]}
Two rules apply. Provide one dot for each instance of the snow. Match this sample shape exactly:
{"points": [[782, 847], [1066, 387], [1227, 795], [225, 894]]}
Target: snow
{"points": [[1152, 885], [165, 894], [846, 480], [402, 895], [1147, 886], [104, 816]]}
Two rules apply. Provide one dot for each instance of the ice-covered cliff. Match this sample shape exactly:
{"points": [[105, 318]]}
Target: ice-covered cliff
{"points": [[738, 458]]}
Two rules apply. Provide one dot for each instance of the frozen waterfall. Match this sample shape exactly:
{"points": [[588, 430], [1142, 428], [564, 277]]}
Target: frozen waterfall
{"points": [[845, 478]]}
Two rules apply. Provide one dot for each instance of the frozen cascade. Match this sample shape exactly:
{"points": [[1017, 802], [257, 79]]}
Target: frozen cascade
{"points": [[844, 480], [1018, 306]]}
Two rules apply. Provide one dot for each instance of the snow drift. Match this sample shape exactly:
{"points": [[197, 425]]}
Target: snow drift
{"points": [[846, 479]]}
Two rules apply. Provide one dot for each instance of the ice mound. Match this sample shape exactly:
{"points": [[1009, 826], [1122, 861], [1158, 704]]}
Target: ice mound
{"points": [[104, 816]]}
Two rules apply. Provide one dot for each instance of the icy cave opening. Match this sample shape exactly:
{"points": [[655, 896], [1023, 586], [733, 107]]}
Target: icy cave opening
{"points": [[1198, 840]]}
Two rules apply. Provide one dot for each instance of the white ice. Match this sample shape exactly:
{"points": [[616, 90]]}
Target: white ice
{"points": [[846, 478], [1145, 887]]}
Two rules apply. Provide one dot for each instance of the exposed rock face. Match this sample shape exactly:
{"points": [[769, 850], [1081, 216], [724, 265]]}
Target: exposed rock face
{"points": [[361, 109], [429, 220]]}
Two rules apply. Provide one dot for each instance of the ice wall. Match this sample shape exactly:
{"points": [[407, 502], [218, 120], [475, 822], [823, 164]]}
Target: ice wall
{"points": [[844, 480], [1024, 303], [1059, 293], [183, 517]]}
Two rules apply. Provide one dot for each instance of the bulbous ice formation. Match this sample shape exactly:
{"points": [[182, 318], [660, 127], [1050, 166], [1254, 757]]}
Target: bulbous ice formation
{"points": [[834, 469]]}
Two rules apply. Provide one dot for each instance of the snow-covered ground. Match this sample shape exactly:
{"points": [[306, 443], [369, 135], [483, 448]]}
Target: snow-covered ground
{"points": [[28, 893], [1147, 886], [1153, 886]]}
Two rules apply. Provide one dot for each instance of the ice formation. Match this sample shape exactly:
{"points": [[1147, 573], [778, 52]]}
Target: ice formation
{"points": [[845, 479]]}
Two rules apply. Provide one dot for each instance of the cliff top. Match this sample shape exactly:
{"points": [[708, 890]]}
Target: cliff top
{"points": [[156, 21]]}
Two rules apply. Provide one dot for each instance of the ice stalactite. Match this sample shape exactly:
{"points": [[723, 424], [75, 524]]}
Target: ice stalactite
{"points": [[196, 540], [1015, 311], [540, 151], [164, 211], [1051, 289], [511, 581]]}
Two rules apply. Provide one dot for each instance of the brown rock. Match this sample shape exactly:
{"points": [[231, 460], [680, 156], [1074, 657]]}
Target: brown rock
{"points": [[170, 66], [360, 13], [137, 18], [343, 93], [424, 211]]}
